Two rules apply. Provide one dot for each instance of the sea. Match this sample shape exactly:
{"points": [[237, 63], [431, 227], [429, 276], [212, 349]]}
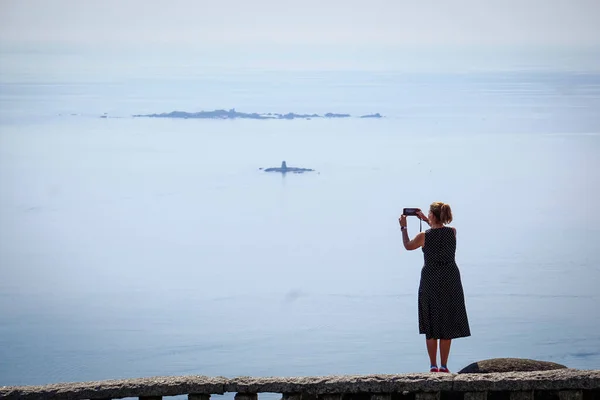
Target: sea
{"points": [[140, 247]]}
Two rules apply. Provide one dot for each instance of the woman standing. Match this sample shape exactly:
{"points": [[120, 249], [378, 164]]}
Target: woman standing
{"points": [[442, 311]]}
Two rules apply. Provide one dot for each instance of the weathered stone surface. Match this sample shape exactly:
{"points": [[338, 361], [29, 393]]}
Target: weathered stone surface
{"points": [[343, 384], [475, 396], [570, 395], [330, 396], [427, 396], [560, 379], [555, 380], [291, 396], [116, 389], [246, 396], [526, 395], [509, 365], [198, 396], [381, 396], [298, 396]]}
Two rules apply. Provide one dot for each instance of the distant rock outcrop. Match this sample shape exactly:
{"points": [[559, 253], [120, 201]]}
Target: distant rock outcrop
{"points": [[509, 365], [216, 114], [285, 169], [333, 115], [233, 114]]}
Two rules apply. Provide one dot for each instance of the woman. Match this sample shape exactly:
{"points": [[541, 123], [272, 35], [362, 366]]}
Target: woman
{"points": [[442, 311]]}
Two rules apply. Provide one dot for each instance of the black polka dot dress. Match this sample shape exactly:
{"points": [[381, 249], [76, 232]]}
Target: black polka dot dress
{"points": [[442, 311]]}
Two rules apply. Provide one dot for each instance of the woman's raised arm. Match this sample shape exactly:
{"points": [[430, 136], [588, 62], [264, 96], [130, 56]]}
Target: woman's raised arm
{"points": [[414, 244], [422, 217]]}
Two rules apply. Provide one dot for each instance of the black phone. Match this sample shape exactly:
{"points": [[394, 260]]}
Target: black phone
{"points": [[410, 211]]}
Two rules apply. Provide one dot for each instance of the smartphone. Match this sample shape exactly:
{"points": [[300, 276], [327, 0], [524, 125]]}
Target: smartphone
{"points": [[410, 211]]}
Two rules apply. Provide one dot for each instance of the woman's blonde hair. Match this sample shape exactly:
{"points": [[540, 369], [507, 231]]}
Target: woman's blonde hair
{"points": [[441, 211]]}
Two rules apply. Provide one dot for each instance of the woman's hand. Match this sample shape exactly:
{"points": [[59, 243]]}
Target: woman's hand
{"points": [[422, 217], [402, 220]]}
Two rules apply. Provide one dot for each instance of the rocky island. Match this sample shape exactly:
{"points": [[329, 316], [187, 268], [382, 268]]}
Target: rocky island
{"points": [[233, 114], [284, 169]]}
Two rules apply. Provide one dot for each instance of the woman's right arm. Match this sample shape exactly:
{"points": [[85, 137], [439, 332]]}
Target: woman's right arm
{"points": [[418, 241], [414, 244], [422, 217]]}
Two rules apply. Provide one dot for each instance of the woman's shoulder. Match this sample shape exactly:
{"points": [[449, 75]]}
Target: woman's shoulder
{"points": [[445, 227]]}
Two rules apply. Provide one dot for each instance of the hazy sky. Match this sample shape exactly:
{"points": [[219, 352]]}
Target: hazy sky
{"points": [[397, 22], [542, 27]]}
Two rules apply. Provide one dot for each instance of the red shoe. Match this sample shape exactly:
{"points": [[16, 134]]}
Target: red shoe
{"points": [[444, 369], [434, 368]]}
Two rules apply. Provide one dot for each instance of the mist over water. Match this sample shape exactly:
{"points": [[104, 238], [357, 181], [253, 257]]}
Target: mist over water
{"points": [[134, 247]]}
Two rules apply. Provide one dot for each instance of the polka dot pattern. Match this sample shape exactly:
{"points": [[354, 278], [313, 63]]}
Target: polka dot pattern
{"points": [[442, 311]]}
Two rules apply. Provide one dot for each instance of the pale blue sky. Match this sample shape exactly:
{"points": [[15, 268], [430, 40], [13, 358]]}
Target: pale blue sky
{"points": [[318, 34]]}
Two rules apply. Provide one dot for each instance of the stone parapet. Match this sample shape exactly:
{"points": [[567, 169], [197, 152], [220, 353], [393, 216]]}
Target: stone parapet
{"points": [[563, 384]]}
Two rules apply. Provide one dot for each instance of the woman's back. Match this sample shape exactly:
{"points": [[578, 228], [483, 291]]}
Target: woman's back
{"points": [[442, 311], [440, 246]]}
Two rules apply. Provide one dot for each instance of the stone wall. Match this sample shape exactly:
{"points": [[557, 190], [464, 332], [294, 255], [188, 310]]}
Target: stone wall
{"points": [[563, 384]]}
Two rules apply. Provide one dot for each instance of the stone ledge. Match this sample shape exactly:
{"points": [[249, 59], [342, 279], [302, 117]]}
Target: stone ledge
{"points": [[564, 379], [116, 389], [344, 384], [559, 379]]}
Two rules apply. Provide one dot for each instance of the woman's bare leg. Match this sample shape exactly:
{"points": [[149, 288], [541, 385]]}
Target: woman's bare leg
{"points": [[445, 350], [432, 350]]}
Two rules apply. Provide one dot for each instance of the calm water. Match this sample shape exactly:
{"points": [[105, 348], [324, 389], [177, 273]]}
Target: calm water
{"points": [[140, 247]]}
